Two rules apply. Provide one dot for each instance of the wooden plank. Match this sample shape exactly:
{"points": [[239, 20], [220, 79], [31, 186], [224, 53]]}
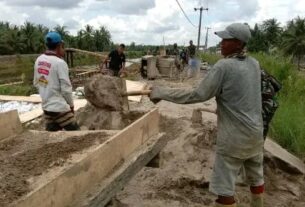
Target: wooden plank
{"points": [[294, 163], [81, 177], [87, 52], [88, 73], [106, 190], [78, 133], [9, 124], [32, 99], [135, 86], [31, 115]]}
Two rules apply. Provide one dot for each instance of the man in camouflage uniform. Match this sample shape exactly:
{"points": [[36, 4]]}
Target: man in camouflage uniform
{"points": [[235, 81]]}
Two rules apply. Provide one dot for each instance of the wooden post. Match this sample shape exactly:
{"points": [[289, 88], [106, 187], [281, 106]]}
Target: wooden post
{"points": [[72, 59]]}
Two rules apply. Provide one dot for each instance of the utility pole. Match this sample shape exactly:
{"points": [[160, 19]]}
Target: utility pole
{"points": [[199, 29], [206, 38]]}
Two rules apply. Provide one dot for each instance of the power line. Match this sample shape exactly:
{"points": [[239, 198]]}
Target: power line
{"points": [[185, 14]]}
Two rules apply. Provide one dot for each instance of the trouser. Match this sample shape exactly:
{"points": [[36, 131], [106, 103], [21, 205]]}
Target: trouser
{"points": [[56, 121], [193, 67], [226, 170], [116, 73]]}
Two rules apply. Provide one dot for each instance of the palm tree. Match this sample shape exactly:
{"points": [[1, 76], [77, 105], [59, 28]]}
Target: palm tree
{"points": [[88, 37], [30, 36], [97, 35], [80, 39], [106, 38], [294, 39], [62, 30], [272, 31], [258, 41]]}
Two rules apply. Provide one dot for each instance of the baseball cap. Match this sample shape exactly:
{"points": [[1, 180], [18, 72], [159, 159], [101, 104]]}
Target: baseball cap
{"points": [[236, 31], [53, 38]]}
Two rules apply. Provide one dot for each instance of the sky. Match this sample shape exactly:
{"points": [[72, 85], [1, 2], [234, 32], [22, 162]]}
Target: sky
{"points": [[149, 21]]}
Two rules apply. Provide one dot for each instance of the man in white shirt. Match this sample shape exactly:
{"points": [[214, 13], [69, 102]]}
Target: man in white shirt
{"points": [[51, 78]]}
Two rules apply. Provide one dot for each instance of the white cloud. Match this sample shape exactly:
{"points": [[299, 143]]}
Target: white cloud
{"points": [[131, 6], [59, 4]]}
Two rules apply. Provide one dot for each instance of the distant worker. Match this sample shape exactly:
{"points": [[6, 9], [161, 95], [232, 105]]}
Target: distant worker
{"points": [[191, 55], [183, 58], [235, 81], [117, 60], [191, 50], [175, 50], [51, 77]]}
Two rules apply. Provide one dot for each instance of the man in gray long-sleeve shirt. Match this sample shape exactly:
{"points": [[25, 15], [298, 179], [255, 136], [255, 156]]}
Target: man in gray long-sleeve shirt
{"points": [[236, 83], [51, 77]]}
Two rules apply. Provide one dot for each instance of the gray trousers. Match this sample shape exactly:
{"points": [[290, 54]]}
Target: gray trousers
{"points": [[226, 170]]}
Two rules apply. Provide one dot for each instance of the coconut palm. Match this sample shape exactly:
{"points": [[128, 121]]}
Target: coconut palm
{"points": [[294, 39], [272, 31], [62, 30], [30, 37]]}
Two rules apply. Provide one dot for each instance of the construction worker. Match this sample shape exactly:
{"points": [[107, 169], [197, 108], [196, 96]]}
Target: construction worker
{"points": [[175, 53], [175, 50], [51, 77], [235, 81], [191, 56], [191, 50], [117, 60]]}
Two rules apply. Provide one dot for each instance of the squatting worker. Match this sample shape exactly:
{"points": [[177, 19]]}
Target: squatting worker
{"points": [[51, 77], [235, 81], [117, 60]]}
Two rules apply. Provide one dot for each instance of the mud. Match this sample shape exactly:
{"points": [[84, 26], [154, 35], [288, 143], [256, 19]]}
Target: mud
{"points": [[105, 92], [20, 161]]}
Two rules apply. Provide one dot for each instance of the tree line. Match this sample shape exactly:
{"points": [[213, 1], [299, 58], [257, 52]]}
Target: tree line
{"points": [[271, 38], [29, 38]]}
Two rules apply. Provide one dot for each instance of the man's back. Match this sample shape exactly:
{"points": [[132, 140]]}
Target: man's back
{"points": [[116, 60], [191, 51], [51, 77], [239, 107]]}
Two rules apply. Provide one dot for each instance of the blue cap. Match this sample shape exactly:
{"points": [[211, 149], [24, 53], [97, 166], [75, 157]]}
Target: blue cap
{"points": [[53, 38]]}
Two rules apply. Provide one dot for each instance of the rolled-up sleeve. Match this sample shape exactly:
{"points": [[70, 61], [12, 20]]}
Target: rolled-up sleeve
{"points": [[209, 87]]}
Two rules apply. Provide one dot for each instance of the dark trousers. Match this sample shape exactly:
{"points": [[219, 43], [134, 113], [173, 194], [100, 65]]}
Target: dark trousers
{"points": [[115, 72], [56, 121]]}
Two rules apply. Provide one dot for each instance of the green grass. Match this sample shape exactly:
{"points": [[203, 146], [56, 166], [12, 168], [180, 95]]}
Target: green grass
{"points": [[18, 90], [134, 54], [288, 124], [210, 58]]}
